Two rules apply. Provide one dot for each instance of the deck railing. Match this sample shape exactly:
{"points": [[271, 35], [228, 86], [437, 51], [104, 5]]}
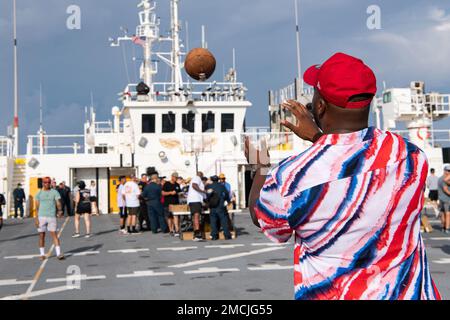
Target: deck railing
{"points": [[198, 91], [6, 147]]}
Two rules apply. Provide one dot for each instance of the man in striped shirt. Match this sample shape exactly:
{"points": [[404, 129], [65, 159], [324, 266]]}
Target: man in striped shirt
{"points": [[352, 200]]}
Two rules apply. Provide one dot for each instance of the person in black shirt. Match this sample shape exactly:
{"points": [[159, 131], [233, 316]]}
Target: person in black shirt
{"points": [[143, 212], [217, 191], [171, 190], [64, 191], [2, 203], [83, 208], [19, 199], [152, 195]]}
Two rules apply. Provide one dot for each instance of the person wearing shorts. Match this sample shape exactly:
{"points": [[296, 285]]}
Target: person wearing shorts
{"points": [[121, 203], [47, 201], [171, 190], [131, 194], [83, 208], [444, 199], [93, 198], [196, 195]]}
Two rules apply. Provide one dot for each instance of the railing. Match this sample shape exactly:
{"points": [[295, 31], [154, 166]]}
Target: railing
{"points": [[290, 92], [104, 127], [198, 91], [437, 138], [46, 144], [6, 147]]}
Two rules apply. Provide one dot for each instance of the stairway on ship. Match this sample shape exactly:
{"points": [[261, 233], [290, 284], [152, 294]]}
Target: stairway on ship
{"points": [[19, 176]]}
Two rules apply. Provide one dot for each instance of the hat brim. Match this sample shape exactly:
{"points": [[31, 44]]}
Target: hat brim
{"points": [[311, 75]]}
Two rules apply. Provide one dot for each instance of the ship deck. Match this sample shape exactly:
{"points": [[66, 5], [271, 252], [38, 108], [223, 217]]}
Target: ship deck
{"points": [[147, 266]]}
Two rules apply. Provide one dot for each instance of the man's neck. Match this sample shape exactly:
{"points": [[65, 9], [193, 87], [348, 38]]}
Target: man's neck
{"points": [[345, 129]]}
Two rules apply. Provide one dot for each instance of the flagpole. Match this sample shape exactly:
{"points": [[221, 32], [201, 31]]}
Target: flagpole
{"points": [[16, 99]]}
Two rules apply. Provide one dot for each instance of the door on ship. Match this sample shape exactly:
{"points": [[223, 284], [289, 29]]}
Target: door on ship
{"points": [[113, 184], [245, 185]]}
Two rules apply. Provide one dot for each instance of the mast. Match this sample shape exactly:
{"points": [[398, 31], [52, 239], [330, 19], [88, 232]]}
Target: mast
{"points": [[41, 131], [176, 52], [16, 98], [299, 65]]}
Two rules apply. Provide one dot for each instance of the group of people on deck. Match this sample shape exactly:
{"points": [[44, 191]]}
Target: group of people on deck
{"points": [[148, 202]]}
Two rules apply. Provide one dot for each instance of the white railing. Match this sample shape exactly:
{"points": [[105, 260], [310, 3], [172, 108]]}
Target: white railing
{"points": [[55, 144], [437, 139], [105, 127], [276, 141], [198, 91], [6, 147], [290, 92]]}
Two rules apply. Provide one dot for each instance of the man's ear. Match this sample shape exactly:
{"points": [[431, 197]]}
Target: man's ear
{"points": [[321, 108]]}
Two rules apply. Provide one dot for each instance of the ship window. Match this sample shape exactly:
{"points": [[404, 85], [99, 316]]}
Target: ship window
{"points": [[102, 149], [387, 97], [189, 122], [208, 123], [148, 123], [274, 117], [168, 123], [227, 122]]}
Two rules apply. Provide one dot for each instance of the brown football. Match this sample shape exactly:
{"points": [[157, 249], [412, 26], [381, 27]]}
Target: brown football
{"points": [[200, 64]]}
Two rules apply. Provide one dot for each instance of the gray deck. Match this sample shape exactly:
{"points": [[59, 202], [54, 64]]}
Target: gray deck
{"points": [[150, 266]]}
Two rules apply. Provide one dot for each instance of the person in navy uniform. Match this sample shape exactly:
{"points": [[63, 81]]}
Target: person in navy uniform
{"points": [[19, 199], [152, 195], [217, 195]]}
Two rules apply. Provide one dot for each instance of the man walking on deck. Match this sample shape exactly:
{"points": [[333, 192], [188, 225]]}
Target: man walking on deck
{"points": [[47, 201]]}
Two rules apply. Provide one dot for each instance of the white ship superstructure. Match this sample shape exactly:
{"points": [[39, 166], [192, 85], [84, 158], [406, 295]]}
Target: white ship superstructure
{"points": [[178, 126]]}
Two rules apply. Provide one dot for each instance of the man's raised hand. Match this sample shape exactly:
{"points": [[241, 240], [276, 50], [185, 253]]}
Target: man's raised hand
{"points": [[305, 126]]}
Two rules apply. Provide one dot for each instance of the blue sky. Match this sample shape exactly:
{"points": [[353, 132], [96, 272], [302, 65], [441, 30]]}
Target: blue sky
{"points": [[413, 44]]}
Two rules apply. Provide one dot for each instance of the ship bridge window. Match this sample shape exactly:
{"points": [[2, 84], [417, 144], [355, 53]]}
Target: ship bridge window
{"points": [[227, 122], [189, 122], [148, 123], [168, 123], [208, 122], [101, 149], [387, 97]]}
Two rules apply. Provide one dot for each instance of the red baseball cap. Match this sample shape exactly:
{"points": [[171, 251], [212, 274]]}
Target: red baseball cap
{"points": [[340, 78]]}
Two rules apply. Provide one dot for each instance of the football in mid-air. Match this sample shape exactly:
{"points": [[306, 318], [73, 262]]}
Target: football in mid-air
{"points": [[200, 64]]}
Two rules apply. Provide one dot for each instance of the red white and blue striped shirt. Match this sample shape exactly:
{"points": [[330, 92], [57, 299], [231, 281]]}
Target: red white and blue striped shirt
{"points": [[353, 202]]}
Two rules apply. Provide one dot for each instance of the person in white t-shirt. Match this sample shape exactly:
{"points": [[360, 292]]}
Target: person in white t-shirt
{"points": [[131, 192], [121, 203], [195, 198], [94, 198]]}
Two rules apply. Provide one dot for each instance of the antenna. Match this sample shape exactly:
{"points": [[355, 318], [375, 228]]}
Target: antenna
{"points": [[92, 100], [187, 36], [299, 65], [40, 108], [204, 44]]}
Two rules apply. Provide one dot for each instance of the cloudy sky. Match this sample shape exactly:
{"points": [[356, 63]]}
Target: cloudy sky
{"points": [[412, 44]]}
